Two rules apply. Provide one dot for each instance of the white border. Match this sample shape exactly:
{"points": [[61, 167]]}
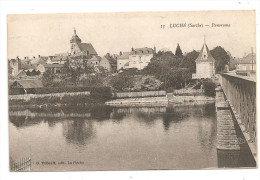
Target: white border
{"points": [[32, 7]]}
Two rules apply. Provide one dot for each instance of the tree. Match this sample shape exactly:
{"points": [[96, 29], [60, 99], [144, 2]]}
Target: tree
{"points": [[48, 78], [122, 82], [166, 67], [188, 61], [167, 58], [178, 51], [221, 57], [75, 68]]}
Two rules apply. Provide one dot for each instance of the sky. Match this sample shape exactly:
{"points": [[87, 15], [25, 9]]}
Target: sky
{"points": [[48, 34]]}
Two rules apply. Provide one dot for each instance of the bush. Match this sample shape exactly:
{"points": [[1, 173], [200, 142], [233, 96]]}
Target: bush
{"points": [[209, 87]]}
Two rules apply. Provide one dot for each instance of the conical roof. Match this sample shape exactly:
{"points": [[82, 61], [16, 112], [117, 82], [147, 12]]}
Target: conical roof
{"points": [[205, 54]]}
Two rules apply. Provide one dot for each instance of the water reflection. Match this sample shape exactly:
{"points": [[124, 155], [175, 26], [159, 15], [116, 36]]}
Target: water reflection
{"points": [[23, 121], [78, 132], [173, 136]]}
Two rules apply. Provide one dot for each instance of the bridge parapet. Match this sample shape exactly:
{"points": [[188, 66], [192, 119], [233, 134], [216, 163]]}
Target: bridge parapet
{"points": [[241, 94]]}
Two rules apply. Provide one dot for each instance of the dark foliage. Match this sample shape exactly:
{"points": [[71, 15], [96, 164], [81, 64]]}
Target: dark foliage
{"points": [[209, 87], [221, 57], [48, 78], [188, 61], [178, 51], [166, 67]]}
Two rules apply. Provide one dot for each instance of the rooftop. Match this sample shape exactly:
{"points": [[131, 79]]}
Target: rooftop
{"points": [[87, 48], [140, 51], [125, 55], [30, 83], [205, 51]]}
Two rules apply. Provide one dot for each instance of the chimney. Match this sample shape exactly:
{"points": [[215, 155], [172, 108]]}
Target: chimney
{"points": [[17, 57], [132, 49], [120, 53], [154, 49], [24, 57], [33, 57], [39, 56]]}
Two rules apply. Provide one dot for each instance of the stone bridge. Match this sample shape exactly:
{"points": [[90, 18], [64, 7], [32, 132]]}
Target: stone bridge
{"points": [[236, 97]]}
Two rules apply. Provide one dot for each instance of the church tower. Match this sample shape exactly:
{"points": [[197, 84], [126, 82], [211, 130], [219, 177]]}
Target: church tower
{"points": [[75, 40]]}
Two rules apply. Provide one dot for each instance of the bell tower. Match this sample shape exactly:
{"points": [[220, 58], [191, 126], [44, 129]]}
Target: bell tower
{"points": [[75, 40]]}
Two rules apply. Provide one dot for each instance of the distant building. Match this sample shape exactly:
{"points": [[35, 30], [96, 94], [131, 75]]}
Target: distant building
{"points": [[26, 85], [57, 59], [78, 48], [247, 64], [105, 63], [122, 60], [205, 64], [28, 67], [138, 58], [21, 74], [54, 68], [15, 66], [80, 53], [39, 60], [41, 68], [95, 60]]}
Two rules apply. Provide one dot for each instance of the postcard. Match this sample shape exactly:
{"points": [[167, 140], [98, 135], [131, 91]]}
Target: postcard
{"points": [[132, 91]]}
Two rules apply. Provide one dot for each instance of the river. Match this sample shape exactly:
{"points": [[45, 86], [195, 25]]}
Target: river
{"points": [[121, 138]]}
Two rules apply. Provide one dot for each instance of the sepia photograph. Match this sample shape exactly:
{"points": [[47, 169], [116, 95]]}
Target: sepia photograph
{"points": [[123, 91]]}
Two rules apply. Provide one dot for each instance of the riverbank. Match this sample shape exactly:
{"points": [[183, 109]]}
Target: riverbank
{"points": [[164, 100], [139, 101], [181, 99]]}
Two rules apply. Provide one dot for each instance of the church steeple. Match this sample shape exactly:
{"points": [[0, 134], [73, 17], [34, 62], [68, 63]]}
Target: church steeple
{"points": [[75, 38]]}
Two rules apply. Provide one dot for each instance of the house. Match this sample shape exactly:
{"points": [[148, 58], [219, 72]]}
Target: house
{"points": [[55, 68], [39, 60], [205, 64], [25, 86], [21, 74], [105, 63], [57, 59], [122, 60], [95, 60], [247, 64], [27, 67], [138, 58]]}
